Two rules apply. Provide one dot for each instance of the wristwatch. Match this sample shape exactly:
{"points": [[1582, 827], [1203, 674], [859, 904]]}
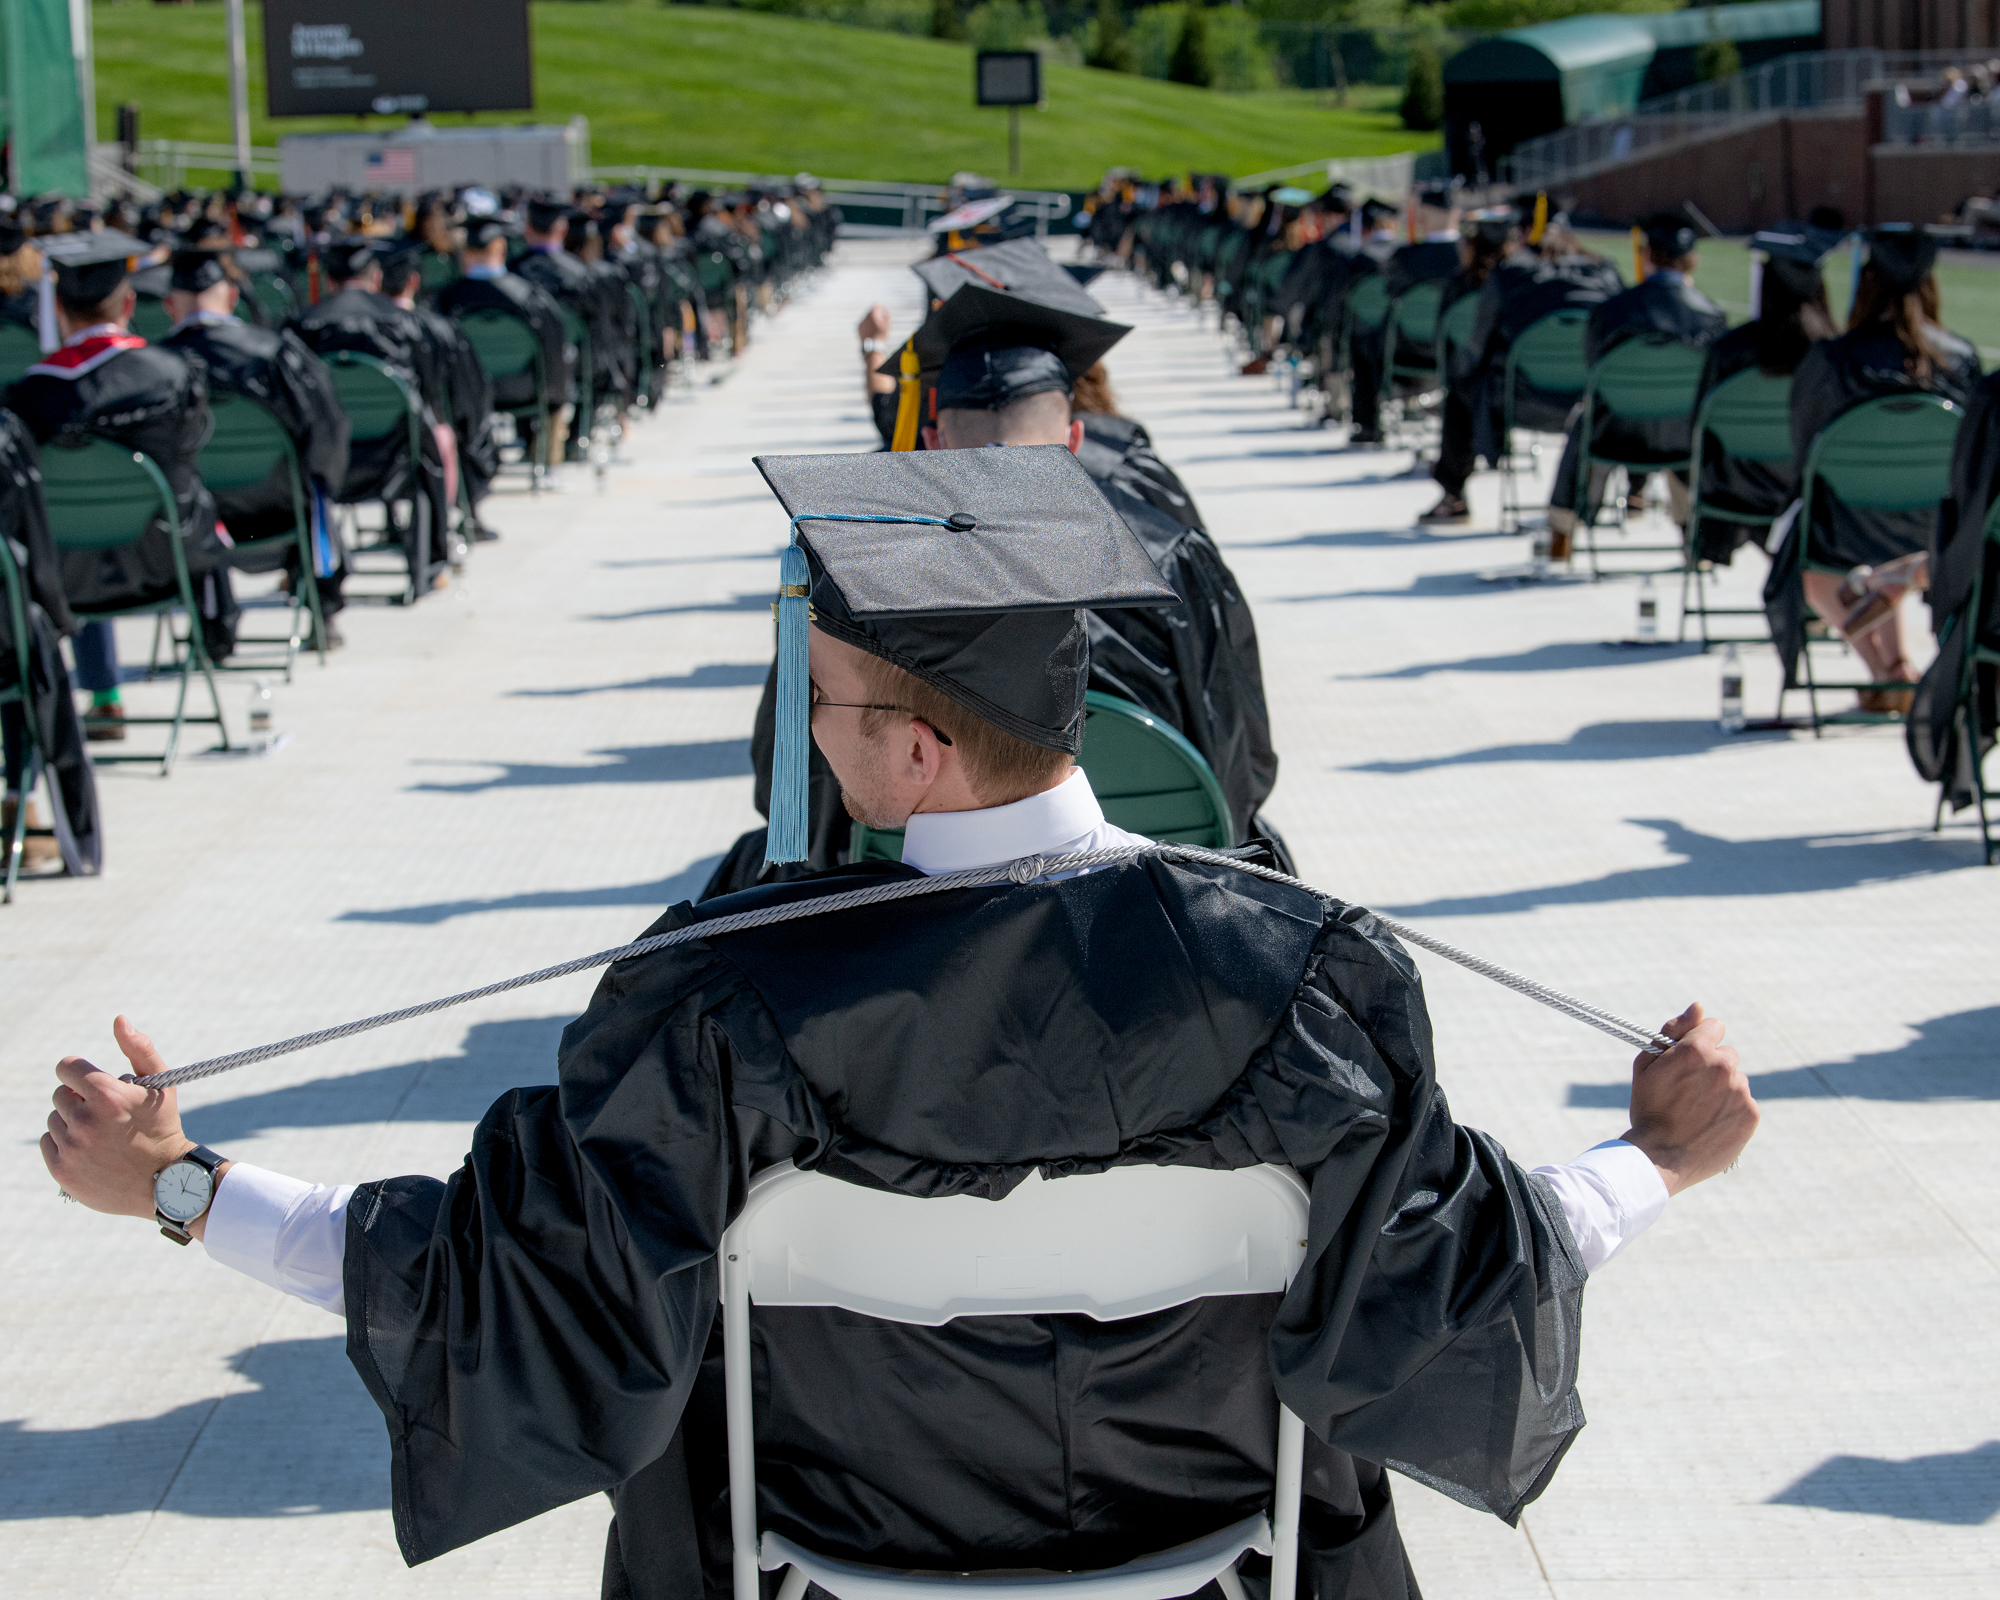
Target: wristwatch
{"points": [[182, 1192], [870, 346]]}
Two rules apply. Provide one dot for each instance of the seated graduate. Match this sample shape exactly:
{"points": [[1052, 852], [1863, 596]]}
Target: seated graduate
{"points": [[1367, 346], [106, 382], [1894, 344], [280, 374], [358, 317], [1665, 304], [640, 264], [683, 306], [543, 1325], [466, 400], [72, 840], [614, 330], [1001, 368], [1789, 314], [487, 285], [1493, 236], [1305, 293]]}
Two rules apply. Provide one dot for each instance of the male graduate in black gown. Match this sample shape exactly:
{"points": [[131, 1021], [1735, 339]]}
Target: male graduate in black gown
{"points": [[106, 382], [487, 285], [278, 373], [1664, 306], [542, 1326], [467, 397], [568, 281]]}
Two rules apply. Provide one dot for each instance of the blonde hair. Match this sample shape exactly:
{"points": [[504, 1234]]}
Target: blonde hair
{"points": [[19, 270], [999, 768]]}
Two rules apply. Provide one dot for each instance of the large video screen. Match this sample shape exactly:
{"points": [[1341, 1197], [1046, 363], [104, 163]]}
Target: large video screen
{"points": [[341, 57]]}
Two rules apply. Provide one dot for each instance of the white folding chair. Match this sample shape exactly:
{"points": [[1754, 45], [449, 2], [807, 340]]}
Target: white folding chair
{"points": [[1110, 1245]]}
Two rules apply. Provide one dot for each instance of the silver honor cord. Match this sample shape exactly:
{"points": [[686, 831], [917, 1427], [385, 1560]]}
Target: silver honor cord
{"points": [[1026, 870]]}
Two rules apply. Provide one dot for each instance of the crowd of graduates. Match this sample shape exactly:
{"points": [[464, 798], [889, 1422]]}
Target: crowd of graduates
{"points": [[376, 337], [1422, 311]]}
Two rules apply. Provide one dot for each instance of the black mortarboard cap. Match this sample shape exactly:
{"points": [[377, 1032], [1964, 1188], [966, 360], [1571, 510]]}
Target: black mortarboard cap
{"points": [[1085, 272], [12, 234], [993, 369], [1669, 234], [349, 257], [196, 270], [1792, 253], [543, 215], [1438, 196], [1020, 266], [1374, 211], [482, 231], [1902, 254], [1495, 225], [1079, 339], [89, 267], [966, 568]]}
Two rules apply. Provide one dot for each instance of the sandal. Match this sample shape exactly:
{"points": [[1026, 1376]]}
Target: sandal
{"points": [[1451, 509]]}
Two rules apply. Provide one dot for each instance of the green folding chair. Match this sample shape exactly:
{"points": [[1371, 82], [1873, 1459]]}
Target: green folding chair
{"points": [[1889, 454], [507, 348], [1644, 379], [1966, 712], [1747, 417], [1366, 309], [247, 445], [1454, 332], [647, 342], [379, 402], [583, 425], [1412, 324], [435, 271], [273, 291], [102, 496], [1548, 354], [1147, 777], [15, 691], [151, 320], [20, 349]]}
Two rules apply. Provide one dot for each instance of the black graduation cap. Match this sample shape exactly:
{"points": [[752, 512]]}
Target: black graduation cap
{"points": [[12, 234], [482, 231], [1374, 211], [1435, 195], [1669, 234], [1085, 272], [1792, 253], [1019, 266], [543, 215], [1902, 254], [967, 569], [89, 267], [349, 258], [196, 269], [986, 321], [1495, 225]]}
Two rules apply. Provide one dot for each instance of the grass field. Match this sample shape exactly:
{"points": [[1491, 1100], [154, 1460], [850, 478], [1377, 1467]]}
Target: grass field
{"points": [[691, 86]]}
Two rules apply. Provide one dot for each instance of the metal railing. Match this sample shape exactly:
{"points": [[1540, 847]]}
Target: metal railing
{"points": [[897, 207], [1811, 81], [1384, 177], [166, 163]]}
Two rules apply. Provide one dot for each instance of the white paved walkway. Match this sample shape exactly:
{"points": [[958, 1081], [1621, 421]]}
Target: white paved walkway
{"points": [[1792, 1383]]}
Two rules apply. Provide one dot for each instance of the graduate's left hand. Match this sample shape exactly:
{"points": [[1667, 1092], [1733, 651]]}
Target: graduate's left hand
{"points": [[108, 1139]]}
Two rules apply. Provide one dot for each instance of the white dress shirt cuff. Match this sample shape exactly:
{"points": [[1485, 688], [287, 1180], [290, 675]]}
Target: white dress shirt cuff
{"points": [[1610, 1195], [280, 1231]]}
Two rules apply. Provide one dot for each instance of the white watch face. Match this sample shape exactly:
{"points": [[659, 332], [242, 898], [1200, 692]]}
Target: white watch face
{"points": [[182, 1192]]}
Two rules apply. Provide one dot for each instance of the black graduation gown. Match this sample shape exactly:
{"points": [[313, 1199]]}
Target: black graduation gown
{"points": [[1762, 488], [24, 524], [1412, 264], [1519, 292], [535, 1328], [571, 284], [156, 402], [469, 398], [1961, 557], [517, 297], [1837, 374], [288, 380]]}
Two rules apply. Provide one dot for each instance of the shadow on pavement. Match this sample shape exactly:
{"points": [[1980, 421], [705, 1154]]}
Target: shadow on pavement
{"points": [[306, 1440], [653, 897], [1960, 1488], [1430, 586], [712, 675], [1369, 538], [1712, 868], [1600, 741], [1951, 1058], [641, 763], [760, 601], [1575, 657], [493, 1057]]}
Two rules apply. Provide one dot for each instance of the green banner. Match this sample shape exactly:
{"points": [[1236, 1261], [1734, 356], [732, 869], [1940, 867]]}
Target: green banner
{"points": [[44, 106]]}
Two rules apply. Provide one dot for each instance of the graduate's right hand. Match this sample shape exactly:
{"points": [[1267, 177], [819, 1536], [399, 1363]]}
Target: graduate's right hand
{"points": [[1692, 1110], [107, 1138]]}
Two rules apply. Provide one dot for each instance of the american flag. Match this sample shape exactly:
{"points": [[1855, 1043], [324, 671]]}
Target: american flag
{"points": [[392, 166]]}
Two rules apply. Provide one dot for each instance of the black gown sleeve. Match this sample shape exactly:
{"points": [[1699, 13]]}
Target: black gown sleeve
{"points": [[318, 426]]}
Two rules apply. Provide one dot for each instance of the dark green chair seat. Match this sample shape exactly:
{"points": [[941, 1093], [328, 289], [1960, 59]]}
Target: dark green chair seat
{"points": [[1547, 356], [1644, 379], [435, 271], [1966, 711], [1455, 331], [1889, 454], [507, 348], [20, 349], [582, 425], [247, 446], [151, 320], [100, 496], [380, 403], [273, 291], [1746, 417], [1146, 775]]}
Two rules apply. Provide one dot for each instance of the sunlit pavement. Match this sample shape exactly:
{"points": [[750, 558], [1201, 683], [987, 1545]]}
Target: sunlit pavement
{"points": [[1791, 1381]]}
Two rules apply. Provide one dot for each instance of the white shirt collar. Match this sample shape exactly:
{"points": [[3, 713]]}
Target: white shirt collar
{"points": [[97, 330], [483, 272], [1044, 824], [201, 317]]}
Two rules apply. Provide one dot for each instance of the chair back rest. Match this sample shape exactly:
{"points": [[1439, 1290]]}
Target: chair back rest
{"points": [[574, 328], [1417, 311], [20, 349], [1147, 777], [1549, 353], [247, 445], [1107, 1245], [1455, 327], [101, 495], [1889, 454], [504, 344], [14, 672], [1368, 304], [274, 293], [376, 401], [1648, 378], [1750, 416], [436, 271], [151, 320], [712, 271]]}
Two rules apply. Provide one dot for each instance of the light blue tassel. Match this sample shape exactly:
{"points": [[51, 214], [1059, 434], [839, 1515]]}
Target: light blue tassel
{"points": [[786, 839]]}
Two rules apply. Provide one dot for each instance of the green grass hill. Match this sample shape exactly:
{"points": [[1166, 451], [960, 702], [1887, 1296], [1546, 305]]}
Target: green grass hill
{"points": [[694, 86]]}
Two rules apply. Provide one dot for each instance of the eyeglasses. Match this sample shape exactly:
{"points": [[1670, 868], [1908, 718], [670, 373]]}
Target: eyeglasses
{"points": [[852, 705]]}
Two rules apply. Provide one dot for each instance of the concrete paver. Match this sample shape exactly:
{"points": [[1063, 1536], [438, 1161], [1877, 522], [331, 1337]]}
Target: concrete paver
{"points": [[1791, 1381]]}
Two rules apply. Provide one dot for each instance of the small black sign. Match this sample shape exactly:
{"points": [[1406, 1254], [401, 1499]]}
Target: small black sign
{"points": [[1009, 78], [341, 57]]}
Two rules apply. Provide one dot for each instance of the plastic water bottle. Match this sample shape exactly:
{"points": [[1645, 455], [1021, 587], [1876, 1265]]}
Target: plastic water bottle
{"points": [[1731, 717], [1538, 554], [260, 709], [1649, 612]]}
